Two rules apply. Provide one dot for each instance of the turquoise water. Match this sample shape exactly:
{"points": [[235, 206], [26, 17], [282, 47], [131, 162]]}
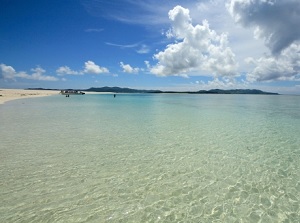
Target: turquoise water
{"points": [[150, 158]]}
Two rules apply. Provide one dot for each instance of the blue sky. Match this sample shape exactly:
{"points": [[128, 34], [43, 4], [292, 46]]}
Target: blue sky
{"points": [[151, 44]]}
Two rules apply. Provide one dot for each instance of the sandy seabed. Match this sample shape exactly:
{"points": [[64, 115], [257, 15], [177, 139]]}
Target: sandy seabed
{"points": [[12, 94]]}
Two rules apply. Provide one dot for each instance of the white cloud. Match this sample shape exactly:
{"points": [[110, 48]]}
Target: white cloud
{"points": [[92, 68], [38, 75], [147, 63], [128, 69], [144, 49], [123, 46], [8, 72], [196, 49], [140, 48], [220, 83], [89, 68], [66, 70], [137, 12], [285, 66]]}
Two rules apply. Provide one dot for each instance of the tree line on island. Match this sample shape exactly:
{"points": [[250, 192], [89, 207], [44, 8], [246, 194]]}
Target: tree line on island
{"points": [[130, 90]]}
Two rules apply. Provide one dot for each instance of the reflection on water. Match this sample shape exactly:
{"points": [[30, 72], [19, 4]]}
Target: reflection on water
{"points": [[150, 158]]}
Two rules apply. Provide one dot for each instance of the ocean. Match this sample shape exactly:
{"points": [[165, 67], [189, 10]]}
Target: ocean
{"points": [[150, 158]]}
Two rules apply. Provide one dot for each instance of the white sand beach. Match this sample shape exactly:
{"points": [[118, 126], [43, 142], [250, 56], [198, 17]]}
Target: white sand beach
{"points": [[12, 94]]}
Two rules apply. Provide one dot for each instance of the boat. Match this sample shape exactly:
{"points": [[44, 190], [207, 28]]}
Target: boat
{"points": [[69, 92]]}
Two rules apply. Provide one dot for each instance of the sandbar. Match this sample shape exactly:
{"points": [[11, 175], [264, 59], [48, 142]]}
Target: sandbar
{"points": [[13, 94]]}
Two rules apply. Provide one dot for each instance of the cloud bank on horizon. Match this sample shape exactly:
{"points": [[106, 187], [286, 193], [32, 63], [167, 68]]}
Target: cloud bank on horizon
{"points": [[199, 48], [8, 72]]}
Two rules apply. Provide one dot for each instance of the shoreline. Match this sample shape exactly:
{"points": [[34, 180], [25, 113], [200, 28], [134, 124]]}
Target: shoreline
{"points": [[14, 94]]}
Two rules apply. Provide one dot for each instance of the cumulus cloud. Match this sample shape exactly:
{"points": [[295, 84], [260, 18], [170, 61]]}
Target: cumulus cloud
{"points": [[128, 69], [92, 68], [196, 48], [8, 72], [277, 22], [285, 66], [66, 70], [89, 68]]}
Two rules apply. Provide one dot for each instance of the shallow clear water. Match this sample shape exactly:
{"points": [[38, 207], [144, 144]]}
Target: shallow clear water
{"points": [[150, 158]]}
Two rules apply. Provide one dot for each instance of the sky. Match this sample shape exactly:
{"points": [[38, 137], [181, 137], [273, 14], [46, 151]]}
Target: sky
{"points": [[186, 45]]}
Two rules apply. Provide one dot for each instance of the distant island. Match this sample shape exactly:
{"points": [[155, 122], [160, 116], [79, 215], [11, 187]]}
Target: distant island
{"points": [[212, 91], [130, 90]]}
